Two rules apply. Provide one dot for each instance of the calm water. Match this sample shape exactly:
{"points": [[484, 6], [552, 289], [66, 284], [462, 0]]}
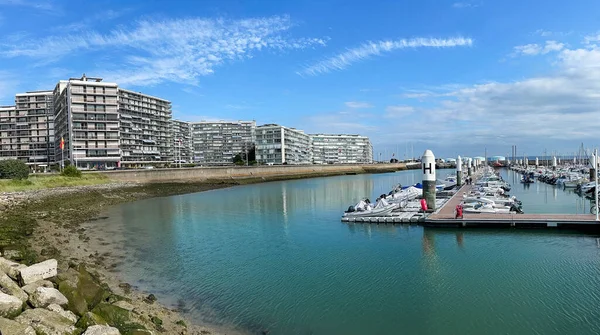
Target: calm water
{"points": [[276, 256]]}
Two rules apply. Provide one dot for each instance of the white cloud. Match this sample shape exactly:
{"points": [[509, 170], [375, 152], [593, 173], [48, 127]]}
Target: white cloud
{"points": [[46, 6], [178, 50], [370, 49], [464, 5], [358, 104], [339, 123], [398, 111], [536, 49]]}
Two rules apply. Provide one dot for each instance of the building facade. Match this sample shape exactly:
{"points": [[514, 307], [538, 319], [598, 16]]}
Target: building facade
{"points": [[277, 144], [183, 149], [341, 149], [86, 117], [217, 143], [145, 129], [27, 128]]}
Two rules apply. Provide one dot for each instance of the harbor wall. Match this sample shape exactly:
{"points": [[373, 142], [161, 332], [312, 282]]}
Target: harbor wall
{"points": [[247, 172]]}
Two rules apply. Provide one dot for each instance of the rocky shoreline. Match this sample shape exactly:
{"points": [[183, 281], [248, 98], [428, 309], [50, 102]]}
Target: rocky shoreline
{"points": [[48, 225]]}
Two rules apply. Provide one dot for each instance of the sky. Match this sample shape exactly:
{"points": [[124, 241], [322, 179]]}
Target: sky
{"points": [[456, 77]]}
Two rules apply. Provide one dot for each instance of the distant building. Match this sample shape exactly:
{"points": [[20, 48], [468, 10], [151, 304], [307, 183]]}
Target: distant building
{"points": [[341, 149], [27, 129], [145, 129], [182, 141], [86, 117], [217, 143], [277, 144]]}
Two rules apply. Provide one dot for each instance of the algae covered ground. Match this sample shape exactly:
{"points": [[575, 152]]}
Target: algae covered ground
{"points": [[41, 181]]}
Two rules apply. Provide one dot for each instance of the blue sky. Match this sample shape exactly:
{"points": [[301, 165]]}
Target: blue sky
{"points": [[452, 76]]}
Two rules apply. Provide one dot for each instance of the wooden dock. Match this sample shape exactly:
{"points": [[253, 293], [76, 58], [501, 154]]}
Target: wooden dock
{"points": [[444, 217]]}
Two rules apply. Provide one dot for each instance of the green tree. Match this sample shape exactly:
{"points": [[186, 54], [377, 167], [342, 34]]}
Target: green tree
{"points": [[13, 169], [237, 160], [71, 171]]}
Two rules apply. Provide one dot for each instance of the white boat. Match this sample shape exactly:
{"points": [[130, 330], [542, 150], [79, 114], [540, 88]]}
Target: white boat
{"points": [[496, 203], [479, 207], [403, 195], [364, 209]]}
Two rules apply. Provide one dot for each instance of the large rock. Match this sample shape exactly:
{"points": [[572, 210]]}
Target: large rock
{"points": [[67, 314], [90, 288], [11, 287], [90, 319], [30, 288], [10, 306], [77, 303], [124, 304], [44, 296], [39, 271], [47, 322], [10, 268], [10, 327], [102, 330]]}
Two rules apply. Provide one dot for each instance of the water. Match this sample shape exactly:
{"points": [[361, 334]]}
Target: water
{"points": [[276, 256]]}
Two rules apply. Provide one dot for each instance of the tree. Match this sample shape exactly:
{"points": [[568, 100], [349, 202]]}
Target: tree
{"points": [[13, 169], [237, 160]]}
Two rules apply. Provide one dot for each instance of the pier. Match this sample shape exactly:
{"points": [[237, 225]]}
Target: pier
{"points": [[445, 217]]}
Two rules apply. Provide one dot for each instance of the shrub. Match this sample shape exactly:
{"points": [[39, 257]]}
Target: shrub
{"points": [[71, 171], [13, 169]]}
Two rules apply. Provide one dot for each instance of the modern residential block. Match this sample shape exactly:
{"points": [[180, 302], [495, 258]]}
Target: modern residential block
{"points": [[182, 141], [217, 143], [341, 149], [277, 144], [145, 129], [27, 128], [86, 117]]}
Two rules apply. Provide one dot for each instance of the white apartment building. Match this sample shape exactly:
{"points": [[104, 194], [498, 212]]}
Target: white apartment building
{"points": [[86, 116], [145, 129], [341, 149], [277, 144], [217, 143], [27, 128], [182, 140]]}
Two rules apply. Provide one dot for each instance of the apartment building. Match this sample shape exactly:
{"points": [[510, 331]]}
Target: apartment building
{"points": [[27, 128], [341, 149], [86, 117], [217, 143], [145, 129], [183, 149], [277, 144]]}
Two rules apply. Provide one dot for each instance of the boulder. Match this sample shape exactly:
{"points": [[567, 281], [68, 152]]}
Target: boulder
{"points": [[10, 268], [67, 314], [11, 287], [102, 330], [90, 319], [44, 296], [89, 287], [30, 288], [10, 327], [46, 322], [10, 306], [39, 271], [124, 304], [113, 315], [77, 303]]}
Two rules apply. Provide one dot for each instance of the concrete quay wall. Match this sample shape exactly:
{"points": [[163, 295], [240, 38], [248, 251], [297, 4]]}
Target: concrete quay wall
{"points": [[246, 172]]}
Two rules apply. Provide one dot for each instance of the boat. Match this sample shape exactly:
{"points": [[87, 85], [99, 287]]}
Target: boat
{"points": [[404, 194], [526, 179], [365, 209], [479, 207]]}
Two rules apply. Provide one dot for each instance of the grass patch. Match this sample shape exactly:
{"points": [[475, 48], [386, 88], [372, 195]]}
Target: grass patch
{"points": [[39, 182]]}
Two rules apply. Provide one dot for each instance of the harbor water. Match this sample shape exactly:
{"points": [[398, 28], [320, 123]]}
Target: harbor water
{"points": [[275, 257]]}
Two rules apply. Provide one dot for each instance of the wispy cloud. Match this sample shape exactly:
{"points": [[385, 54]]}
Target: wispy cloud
{"points": [[398, 111], [548, 33], [178, 50], [464, 5], [46, 6], [537, 49], [91, 20], [358, 104], [370, 49], [234, 106]]}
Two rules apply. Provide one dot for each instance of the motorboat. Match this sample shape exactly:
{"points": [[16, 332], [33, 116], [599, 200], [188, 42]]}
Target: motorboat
{"points": [[365, 209], [479, 207], [404, 194]]}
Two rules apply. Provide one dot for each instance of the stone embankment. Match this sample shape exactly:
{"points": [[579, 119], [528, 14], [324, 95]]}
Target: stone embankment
{"points": [[248, 174], [37, 299]]}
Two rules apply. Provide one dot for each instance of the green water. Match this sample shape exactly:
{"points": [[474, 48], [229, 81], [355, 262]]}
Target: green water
{"points": [[276, 257]]}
